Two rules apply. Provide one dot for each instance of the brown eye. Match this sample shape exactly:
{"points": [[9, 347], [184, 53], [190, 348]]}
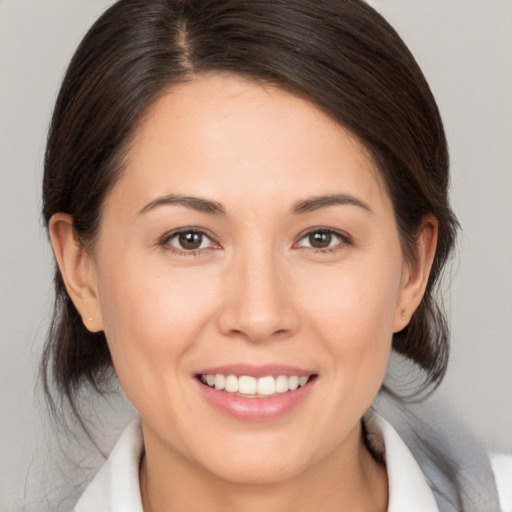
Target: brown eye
{"points": [[320, 239], [190, 240], [324, 240]]}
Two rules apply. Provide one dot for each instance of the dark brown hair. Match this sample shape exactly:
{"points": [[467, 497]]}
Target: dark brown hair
{"points": [[339, 54]]}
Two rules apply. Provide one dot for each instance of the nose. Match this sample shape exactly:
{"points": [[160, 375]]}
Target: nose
{"points": [[258, 303]]}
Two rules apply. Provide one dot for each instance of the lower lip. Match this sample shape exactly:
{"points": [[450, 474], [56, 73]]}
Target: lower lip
{"points": [[255, 409]]}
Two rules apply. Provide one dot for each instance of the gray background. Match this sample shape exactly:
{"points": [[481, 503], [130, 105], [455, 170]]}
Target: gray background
{"points": [[465, 50]]}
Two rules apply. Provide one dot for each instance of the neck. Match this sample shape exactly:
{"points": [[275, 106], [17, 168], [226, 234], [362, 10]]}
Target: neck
{"points": [[348, 479]]}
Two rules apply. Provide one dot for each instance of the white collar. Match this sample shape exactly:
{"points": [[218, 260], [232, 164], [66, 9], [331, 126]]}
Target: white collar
{"points": [[409, 490], [115, 488]]}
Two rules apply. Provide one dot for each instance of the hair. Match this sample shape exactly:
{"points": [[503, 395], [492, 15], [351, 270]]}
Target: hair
{"points": [[340, 55]]}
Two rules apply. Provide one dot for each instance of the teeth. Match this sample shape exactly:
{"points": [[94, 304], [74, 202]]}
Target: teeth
{"points": [[293, 382], [266, 386], [282, 384], [248, 386], [231, 384], [220, 382]]}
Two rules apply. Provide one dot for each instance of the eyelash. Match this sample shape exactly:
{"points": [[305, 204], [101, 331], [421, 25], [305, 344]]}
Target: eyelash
{"points": [[166, 239], [343, 240]]}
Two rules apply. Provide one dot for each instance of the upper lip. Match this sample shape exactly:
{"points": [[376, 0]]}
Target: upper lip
{"points": [[256, 371]]}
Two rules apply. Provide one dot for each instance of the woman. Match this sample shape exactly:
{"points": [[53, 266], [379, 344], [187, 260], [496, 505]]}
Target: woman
{"points": [[248, 206]]}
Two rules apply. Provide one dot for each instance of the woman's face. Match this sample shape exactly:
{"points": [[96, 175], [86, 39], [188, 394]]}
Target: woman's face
{"points": [[251, 237]]}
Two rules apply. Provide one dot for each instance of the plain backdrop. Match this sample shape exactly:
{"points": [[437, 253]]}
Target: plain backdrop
{"points": [[465, 50]]}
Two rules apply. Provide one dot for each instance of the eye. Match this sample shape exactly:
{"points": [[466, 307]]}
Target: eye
{"points": [[323, 239], [188, 241]]}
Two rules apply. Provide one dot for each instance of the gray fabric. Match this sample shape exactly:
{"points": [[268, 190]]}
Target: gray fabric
{"points": [[455, 463]]}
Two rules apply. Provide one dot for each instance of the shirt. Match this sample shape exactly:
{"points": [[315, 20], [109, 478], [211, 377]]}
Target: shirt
{"points": [[115, 488]]}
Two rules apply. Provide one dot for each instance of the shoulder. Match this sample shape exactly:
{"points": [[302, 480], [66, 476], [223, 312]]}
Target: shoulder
{"points": [[452, 470], [502, 468]]}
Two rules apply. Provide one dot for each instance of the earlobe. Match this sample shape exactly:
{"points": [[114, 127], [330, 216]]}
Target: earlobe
{"points": [[416, 273], [77, 270]]}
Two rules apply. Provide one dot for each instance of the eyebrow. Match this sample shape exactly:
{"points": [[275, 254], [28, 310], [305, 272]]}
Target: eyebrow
{"points": [[317, 203], [195, 203], [212, 207]]}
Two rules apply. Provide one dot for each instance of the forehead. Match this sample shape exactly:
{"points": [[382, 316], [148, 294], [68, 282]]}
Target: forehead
{"points": [[220, 134]]}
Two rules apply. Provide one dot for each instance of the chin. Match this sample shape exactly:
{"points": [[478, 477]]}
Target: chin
{"points": [[257, 473], [270, 465]]}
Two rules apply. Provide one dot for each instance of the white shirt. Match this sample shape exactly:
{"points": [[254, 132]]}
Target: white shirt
{"points": [[115, 487]]}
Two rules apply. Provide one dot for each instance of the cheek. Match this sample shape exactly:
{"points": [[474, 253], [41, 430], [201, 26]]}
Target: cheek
{"points": [[353, 309], [150, 315], [354, 299]]}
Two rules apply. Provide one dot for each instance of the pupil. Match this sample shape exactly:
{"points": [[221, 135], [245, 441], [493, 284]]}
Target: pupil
{"points": [[320, 239], [190, 240]]}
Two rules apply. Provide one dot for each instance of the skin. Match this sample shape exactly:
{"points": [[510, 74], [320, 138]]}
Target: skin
{"points": [[256, 291]]}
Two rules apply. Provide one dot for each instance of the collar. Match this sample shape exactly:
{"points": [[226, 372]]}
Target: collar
{"points": [[115, 488], [409, 490]]}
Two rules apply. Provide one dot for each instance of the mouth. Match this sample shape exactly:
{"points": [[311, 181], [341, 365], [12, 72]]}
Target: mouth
{"points": [[248, 386], [256, 393]]}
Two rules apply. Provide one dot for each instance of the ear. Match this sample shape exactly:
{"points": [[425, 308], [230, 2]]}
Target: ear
{"points": [[416, 273], [77, 269]]}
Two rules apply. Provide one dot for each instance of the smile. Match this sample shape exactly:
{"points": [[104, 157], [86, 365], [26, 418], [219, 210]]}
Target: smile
{"points": [[255, 393], [251, 387]]}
